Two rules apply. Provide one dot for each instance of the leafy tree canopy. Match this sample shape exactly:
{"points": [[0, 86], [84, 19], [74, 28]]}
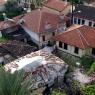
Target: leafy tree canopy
{"points": [[12, 84]]}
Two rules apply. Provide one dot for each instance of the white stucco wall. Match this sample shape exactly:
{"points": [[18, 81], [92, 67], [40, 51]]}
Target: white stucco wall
{"points": [[71, 50], [2, 7], [37, 38], [48, 37], [0, 33], [86, 21], [34, 36]]}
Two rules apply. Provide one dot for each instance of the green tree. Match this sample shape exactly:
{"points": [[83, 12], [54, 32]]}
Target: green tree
{"points": [[92, 68], [13, 84], [12, 8], [88, 90], [37, 2], [76, 1], [58, 92], [86, 62]]}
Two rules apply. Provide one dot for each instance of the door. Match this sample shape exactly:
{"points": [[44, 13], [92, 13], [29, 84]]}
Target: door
{"points": [[93, 51]]}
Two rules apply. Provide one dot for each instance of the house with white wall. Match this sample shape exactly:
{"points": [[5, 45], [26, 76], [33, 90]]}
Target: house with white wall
{"points": [[84, 15], [57, 6], [41, 25], [78, 40]]}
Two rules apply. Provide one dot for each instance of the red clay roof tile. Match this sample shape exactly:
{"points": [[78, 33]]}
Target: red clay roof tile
{"points": [[56, 5], [2, 2], [78, 35], [36, 20]]}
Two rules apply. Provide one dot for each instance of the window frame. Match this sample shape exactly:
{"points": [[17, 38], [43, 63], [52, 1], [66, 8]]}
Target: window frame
{"points": [[43, 38], [60, 44], [76, 50], [65, 46], [79, 21], [83, 21], [90, 23]]}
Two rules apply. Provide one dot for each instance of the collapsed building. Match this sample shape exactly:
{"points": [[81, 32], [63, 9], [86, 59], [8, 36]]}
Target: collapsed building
{"points": [[40, 67]]}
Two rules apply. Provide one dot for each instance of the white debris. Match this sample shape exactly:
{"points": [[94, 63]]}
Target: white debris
{"points": [[48, 49], [82, 78], [44, 67]]}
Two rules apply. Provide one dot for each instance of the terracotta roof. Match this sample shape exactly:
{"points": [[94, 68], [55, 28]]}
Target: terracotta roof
{"points": [[2, 2], [37, 19], [58, 5], [78, 35], [6, 24]]}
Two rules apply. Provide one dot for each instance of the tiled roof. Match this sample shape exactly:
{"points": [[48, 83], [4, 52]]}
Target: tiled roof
{"points": [[78, 35], [58, 5], [36, 20], [6, 24], [87, 12], [16, 48], [2, 2]]}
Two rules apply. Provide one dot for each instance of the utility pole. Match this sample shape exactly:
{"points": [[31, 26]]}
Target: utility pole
{"points": [[72, 12]]}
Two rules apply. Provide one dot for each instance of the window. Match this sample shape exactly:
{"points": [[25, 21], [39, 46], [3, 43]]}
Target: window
{"points": [[43, 37], [79, 21], [65, 46], [53, 33], [75, 20], [93, 51], [83, 21], [76, 50], [90, 23], [60, 44], [94, 25]]}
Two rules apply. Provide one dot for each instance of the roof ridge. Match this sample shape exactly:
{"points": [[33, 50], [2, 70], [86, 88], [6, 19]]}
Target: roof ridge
{"points": [[83, 36], [80, 37], [40, 20]]}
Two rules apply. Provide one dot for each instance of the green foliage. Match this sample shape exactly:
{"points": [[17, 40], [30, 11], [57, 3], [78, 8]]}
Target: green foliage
{"points": [[92, 69], [11, 9], [4, 39], [58, 92], [12, 84], [1, 16], [88, 90], [86, 62], [76, 1]]}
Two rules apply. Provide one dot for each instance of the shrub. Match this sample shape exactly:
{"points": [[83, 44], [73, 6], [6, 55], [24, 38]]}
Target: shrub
{"points": [[92, 69], [12, 84], [88, 90], [58, 92], [86, 62]]}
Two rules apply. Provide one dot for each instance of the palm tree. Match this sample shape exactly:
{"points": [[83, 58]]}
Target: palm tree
{"points": [[12, 84]]}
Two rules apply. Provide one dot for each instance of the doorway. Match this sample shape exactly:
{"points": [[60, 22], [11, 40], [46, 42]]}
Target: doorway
{"points": [[93, 51]]}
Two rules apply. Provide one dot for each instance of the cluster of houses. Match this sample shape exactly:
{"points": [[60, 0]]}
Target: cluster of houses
{"points": [[46, 26]]}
